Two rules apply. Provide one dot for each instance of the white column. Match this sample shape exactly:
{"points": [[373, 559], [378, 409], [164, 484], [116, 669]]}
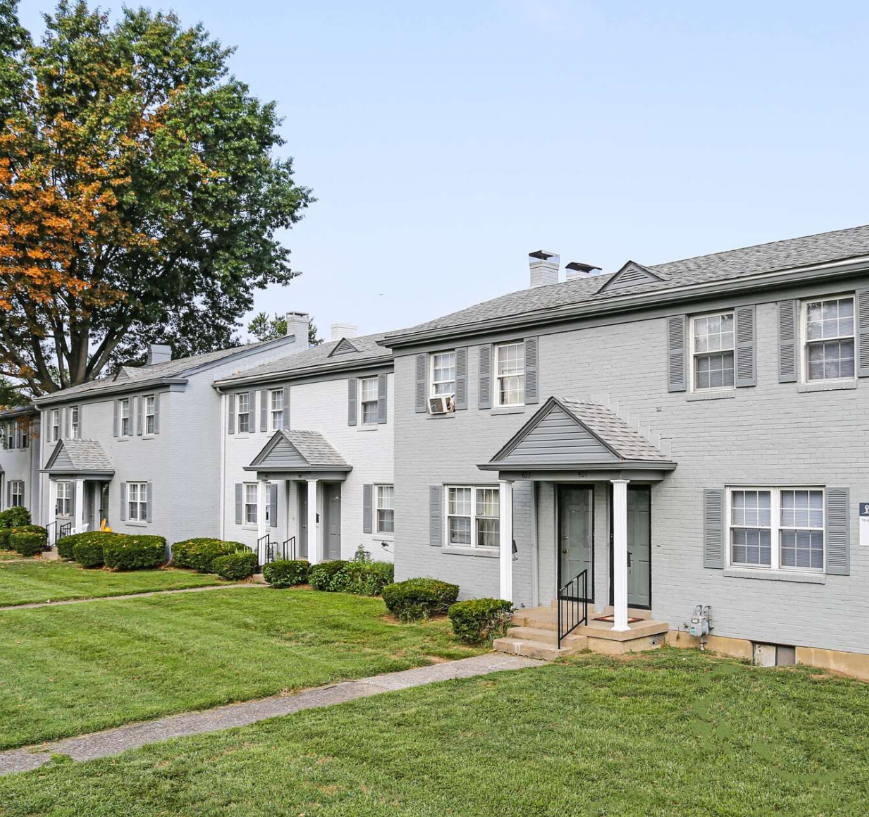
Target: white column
{"points": [[262, 498], [506, 542], [78, 488], [313, 532], [52, 508], [620, 555]]}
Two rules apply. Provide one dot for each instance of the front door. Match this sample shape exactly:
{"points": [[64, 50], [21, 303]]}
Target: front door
{"points": [[91, 492], [332, 526], [640, 546], [303, 519], [575, 534]]}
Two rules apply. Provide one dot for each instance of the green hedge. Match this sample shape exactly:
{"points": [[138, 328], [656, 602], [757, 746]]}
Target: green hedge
{"points": [[417, 599], [89, 553], [286, 572], [64, 546], [479, 621], [235, 566], [28, 540], [134, 552], [363, 578], [321, 576], [201, 552], [17, 517]]}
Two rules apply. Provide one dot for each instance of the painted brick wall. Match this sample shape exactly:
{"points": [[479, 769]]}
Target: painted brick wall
{"points": [[23, 464]]}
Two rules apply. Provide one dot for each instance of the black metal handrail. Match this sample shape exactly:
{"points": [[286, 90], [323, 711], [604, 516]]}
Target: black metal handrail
{"points": [[51, 530], [572, 605], [288, 548], [264, 550], [64, 530]]}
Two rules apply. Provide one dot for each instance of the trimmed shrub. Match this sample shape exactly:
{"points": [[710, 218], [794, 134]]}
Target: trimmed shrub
{"points": [[17, 517], [28, 540], [201, 552], [479, 621], [5, 533], [323, 575], [235, 566], [364, 578], [88, 552], [64, 546], [416, 599], [286, 572], [134, 552]]}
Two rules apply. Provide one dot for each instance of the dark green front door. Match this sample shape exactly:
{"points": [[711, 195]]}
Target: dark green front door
{"points": [[639, 546], [575, 534]]}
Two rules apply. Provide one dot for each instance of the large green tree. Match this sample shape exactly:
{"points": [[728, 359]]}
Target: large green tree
{"points": [[262, 327], [140, 194]]}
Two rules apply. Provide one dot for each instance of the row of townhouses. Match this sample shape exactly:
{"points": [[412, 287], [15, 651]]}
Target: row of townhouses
{"points": [[668, 441]]}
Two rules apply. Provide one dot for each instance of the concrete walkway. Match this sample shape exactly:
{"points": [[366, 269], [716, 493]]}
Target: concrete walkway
{"points": [[115, 741], [141, 595]]}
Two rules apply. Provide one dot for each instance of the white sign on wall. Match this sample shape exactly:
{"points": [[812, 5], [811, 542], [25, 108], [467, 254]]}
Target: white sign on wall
{"points": [[864, 524]]}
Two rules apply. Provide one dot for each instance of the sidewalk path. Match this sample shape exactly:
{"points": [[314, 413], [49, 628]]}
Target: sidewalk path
{"points": [[115, 741]]}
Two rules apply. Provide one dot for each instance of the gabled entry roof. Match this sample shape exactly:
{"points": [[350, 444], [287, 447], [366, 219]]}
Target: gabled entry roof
{"points": [[575, 435], [79, 457], [298, 452]]}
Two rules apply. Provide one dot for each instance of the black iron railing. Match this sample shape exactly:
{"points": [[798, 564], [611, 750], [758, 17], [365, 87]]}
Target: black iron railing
{"points": [[572, 605], [288, 548], [64, 530], [268, 551]]}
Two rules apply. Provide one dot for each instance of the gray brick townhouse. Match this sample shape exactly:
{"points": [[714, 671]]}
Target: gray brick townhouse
{"points": [[650, 440], [140, 449], [19, 462]]}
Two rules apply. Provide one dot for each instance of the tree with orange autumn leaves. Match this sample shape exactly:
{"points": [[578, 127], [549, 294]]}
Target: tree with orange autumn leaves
{"points": [[139, 195]]}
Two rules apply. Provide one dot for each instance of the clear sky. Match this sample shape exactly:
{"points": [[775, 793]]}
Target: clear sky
{"points": [[444, 141]]}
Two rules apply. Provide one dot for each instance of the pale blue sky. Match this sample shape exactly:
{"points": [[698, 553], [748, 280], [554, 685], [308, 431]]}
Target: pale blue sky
{"points": [[445, 141]]}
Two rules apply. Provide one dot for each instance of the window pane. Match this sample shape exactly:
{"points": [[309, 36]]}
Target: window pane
{"points": [[488, 533], [385, 495], [369, 413], [750, 546], [460, 530], [830, 319], [511, 390], [369, 389], [488, 502], [460, 501], [802, 548], [511, 359], [714, 371], [385, 521]]}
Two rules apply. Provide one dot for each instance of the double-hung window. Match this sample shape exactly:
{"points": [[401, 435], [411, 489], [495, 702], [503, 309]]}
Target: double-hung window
{"points": [[510, 374], [276, 409], [64, 499], [55, 425], [126, 417], [137, 499], [73, 422], [250, 503], [369, 392], [829, 339], [473, 516], [9, 435], [16, 493], [24, 432], [385, 509], [243, 412], [443, 374], [777, 528], [150, 408], [712, 351]]}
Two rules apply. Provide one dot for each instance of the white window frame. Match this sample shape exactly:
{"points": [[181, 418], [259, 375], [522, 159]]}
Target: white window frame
{"points": [[499, 349], [434, 383], [125, 417], [23, 429], [695, 354], [9, 435], [378, 507], [805, 342], [474, 517], [137, 509], [250, 510], [276, 415], [370, 402], [16, 493], [74, 424], [149, 408], [64, 498], [239, 413], [775, 527], [55, 425]]}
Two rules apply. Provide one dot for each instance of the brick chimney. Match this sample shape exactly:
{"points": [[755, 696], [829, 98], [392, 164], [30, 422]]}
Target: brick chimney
{"points": [[344, 330], [544, 268], [298, 324], [159, 353]]}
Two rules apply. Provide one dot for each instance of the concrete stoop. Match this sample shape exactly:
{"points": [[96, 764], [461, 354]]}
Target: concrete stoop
{"points": [[535, 635]]}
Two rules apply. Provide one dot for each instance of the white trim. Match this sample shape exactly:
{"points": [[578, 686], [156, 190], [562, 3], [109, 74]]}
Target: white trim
{"points": [[245, 503], [272, 410], [146, 416], [250, 413], [473, 515], [376, 508], [141, 490], [505, 539], [496, 402], [693, 353], [362, 403], [804, 341], [620, 555], [122, 402], [431, 378]]}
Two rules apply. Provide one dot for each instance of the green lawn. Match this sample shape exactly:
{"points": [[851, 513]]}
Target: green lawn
{"points": [[674, 733], [37, 581], [82, 667], [6, 555]]}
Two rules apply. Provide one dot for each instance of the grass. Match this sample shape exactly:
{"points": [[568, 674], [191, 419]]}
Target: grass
{"points": [[83, 667], [674, 733], [38, 581], [7, 555]]}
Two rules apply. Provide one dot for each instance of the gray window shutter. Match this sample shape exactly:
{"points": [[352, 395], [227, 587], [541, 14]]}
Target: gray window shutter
{"points": [[677, 339], [263, 410], [150, 496], [435, 515], [23, 498], [123, 501], [485, 393], [531, 387], [239, 501], [156, 413], [81, 423], [382, 389], [461, 402], [9, 494], [64, 428], [421, 382], [351, 401], [287, 407], [367, 513], [713, 530], [116, 425], [863, 333], [231, 423], [273, 505], [139, 417], [788, 341], [837, 536], [746, 355]]}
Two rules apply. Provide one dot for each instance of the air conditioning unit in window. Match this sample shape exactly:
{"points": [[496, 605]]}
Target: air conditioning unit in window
{"points": [[442, 404]]}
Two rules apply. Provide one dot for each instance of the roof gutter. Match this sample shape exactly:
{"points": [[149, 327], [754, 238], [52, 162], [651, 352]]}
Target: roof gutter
{"points": [[121, 388], [300, 374]]}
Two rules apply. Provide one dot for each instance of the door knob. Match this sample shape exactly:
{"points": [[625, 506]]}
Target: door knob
{"points": [[564, 550]]}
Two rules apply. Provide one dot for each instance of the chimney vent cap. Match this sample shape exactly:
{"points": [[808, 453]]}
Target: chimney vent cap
{"points": [[580, 266]]}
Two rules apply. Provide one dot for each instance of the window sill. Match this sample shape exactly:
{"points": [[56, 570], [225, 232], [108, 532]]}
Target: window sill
{"points": [[443, 416], [372, 427], [123, 439], [136, 524], [836, 385], [244, 436], [775, 575], [486, 553], [496, 412], [250, 527], [710, 395]]}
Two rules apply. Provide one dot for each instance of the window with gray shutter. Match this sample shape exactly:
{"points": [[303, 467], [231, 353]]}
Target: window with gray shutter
{"points": [[123, 501], [863, 333], [116, 419], [139, 416], [149, 514], [746, 355], [367, 512], [485, 367], [263, 410], [286, 408], [239, 503], [382, 388], [531, 385], [421, 383], [838, 531], [713, 528], [273, 505], [351, 401], [157, 413], [677, 331], [788, 341], [230, 399], [461, 399], [436, 522]]}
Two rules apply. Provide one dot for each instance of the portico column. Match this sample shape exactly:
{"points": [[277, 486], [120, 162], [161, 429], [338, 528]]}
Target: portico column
{"points": [[506, 540], [620, 555], [52, 508], [78, 502], [262, 498], [313, 533]]}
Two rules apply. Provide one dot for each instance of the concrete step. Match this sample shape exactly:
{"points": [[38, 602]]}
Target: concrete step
{"points": [[541, 618], [536, 649], [546, 637]]}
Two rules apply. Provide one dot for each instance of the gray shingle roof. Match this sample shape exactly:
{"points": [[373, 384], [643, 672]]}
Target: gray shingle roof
{"points": [[368, 351], [71, 456], [316, 449], [733, 264]]}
